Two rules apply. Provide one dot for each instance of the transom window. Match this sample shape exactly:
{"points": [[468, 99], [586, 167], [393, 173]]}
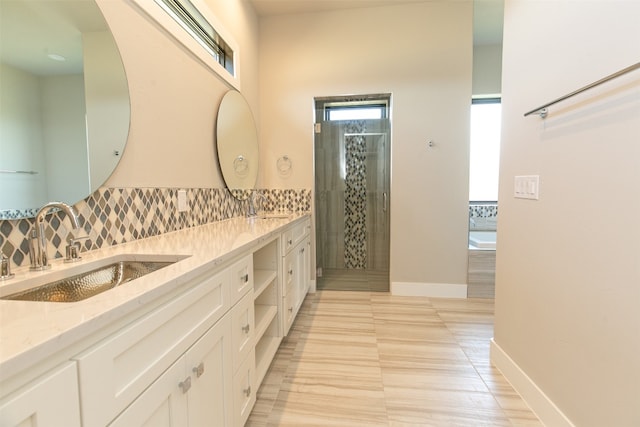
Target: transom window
{"points": [[356, 110], [190, 18], [484, 154]]}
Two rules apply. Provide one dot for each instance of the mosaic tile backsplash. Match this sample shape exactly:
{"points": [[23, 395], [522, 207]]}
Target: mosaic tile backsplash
{"points": [[483, 216], [111, 216]]}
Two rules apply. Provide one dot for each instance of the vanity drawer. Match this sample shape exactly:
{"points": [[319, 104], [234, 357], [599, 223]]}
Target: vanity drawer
{"points": [[242, 326], [241, 278], [118, 369], [294, 235]]}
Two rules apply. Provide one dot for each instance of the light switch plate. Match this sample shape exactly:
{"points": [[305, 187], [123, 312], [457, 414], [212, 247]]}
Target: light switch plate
{"points": [[527, 187]]}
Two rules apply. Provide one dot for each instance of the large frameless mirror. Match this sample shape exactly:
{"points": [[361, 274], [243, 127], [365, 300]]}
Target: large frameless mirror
{"points": [[237, 144], [64, 103]]}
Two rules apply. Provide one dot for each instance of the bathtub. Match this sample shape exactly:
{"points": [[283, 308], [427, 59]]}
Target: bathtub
{"points": [[482, 240]]}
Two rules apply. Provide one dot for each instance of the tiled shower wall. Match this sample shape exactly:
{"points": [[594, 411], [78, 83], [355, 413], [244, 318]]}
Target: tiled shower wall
{"points": [[355, 200], [483, 216], [111, 216]]}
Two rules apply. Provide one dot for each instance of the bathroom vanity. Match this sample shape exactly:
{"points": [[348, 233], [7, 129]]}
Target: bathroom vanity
{"points": [[185, 345]]}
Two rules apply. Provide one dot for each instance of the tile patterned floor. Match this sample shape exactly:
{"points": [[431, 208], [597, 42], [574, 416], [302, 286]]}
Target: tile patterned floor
{"points": [[372, 359]]}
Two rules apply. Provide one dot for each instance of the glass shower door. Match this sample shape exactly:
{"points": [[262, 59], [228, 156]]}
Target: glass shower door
{"points": [[352, 160]]}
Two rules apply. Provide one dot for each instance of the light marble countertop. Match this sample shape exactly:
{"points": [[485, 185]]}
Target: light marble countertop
{"points": [[30, 331]]}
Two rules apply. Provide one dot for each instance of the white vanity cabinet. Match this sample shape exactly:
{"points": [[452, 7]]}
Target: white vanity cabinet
{"points": [[114, 372], [195, 391], [296, 263], [195, 356], [51, 400]]}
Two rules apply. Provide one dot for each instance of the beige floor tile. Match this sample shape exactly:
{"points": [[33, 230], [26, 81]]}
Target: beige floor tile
{"points": [[372, 359], [420, 354], [310, 409], [414, 380], [445, 407]]}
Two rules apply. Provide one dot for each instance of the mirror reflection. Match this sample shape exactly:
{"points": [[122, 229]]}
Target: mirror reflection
{"points": [[64, 103], [237, 144]]}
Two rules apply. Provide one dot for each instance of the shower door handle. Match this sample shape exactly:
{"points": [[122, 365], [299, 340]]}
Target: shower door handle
{"points": [[384, 201]]}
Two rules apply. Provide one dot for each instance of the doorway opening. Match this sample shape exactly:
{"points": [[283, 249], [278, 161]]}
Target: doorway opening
{"points": [[352, 180]]}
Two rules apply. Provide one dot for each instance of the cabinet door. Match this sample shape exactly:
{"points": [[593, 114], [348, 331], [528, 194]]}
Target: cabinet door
{"points": [[117, 370], [288, 312], [244, 390], [301, 273], [163, 404], [242, 325], [209, 363], [50, 401], [289, 290], [288, 273]]}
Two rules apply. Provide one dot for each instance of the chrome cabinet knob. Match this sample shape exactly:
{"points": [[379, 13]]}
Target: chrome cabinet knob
{"points": [[198, 370], [185, 385]]}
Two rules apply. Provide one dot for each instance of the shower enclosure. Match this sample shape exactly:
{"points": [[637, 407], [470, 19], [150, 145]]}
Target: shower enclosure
{"points": [[352, 162]]}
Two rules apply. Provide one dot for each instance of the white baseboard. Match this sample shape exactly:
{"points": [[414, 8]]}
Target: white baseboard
{"points": [[312, 287], [435, 290], [539, 402]]}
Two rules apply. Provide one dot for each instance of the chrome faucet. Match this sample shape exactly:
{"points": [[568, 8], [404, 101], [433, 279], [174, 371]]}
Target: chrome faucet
{"points": [[252, 210], [38, 240], [5, 268]]}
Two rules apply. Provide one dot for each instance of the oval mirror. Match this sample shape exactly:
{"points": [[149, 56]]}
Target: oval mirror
{"points": [[64, 103], [237, 144]]}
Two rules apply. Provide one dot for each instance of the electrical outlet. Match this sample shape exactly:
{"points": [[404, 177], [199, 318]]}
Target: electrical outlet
{"points": [[527, 187]]}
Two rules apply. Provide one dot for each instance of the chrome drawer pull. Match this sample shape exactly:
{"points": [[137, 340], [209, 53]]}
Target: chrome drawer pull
{"points": [[247, 391], [185, 385], [199, 370], [245, 278], [246, 328]]}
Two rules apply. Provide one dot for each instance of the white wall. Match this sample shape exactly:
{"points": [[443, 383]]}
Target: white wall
{"points": [[422, 54], [43, 130], [487, 69], [107, 105], [568, 265], [21, 144], [174, 98], [65, 138]]}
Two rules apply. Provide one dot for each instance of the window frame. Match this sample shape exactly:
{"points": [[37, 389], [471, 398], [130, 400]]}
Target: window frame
{"points": [[186, 37], [382, 105], [483, 100]]}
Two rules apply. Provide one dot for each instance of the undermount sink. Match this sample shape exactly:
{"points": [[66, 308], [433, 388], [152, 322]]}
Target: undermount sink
{"points": [[77, 287]]}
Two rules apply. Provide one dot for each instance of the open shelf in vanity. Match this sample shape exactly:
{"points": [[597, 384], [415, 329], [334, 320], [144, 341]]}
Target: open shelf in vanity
{"points": [[266, 297]]}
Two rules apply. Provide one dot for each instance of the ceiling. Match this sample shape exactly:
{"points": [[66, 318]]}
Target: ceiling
{"points": [[32, 30], [57, 26], [487, 14]]}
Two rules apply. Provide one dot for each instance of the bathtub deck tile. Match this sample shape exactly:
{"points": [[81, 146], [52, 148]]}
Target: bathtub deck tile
{"points": [[481, 274]]}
